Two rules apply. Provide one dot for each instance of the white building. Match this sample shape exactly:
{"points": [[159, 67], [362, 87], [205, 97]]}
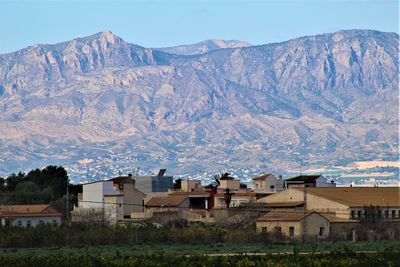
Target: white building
{"points": [[29, 215], [109, 200], [267, 184], [309, 181]]}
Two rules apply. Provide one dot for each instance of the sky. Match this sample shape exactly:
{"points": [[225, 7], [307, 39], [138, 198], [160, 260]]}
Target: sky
{"points": [[168, 23]]}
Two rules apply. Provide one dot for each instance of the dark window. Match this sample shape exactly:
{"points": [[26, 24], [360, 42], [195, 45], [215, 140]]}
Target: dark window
{"points": [[41, 222], [120, 205], [28, 223], [386, 213], [291, 231], [321, 231], [359, 214], [379, 214], [19, 223], [55, 222], [393, 213], [352, 214], [272, 187]]}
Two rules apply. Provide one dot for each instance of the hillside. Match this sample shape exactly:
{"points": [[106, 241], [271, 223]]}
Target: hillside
{"points": [[324, 100]]}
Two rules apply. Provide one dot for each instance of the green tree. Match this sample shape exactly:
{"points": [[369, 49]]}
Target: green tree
{"points": [[29, 193]]}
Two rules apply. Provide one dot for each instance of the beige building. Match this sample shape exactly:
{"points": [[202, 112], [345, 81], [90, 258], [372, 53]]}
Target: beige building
{"points": [[29, 215], [237, 199], [267, 184], [229, 184], [308, 181], [191, 185], [295, 224], [343, 207]]}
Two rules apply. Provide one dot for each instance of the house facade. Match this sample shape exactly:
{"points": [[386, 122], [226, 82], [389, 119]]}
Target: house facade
{"points": [[343, 207], [29, 215], [295, 224], [110, 200], [267, 184], [308, 181]]}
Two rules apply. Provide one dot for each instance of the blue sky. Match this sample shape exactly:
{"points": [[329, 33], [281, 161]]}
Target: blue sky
{"points": [[168, 23]]}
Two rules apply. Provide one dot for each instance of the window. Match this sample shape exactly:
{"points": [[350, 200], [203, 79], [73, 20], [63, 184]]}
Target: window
{"points": [[28, 223], [120, 205], [278, 229], [393, 213], [19, 223], [379, 214], [55, 222], [386, 214], [272, 187], [359, 214], [291, 231], [352, 214], [321, 231], [264, 229], [41, 222]]}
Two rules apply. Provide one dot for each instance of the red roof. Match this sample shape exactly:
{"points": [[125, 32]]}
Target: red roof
{"points": [[42, 210]]}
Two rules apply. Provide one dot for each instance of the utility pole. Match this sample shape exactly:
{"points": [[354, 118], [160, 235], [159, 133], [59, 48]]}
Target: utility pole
{"points": [[67, 203], [305, 213]]}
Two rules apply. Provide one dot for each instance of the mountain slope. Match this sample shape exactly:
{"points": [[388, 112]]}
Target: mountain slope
{"points": [[203, 47], [121, 105]]}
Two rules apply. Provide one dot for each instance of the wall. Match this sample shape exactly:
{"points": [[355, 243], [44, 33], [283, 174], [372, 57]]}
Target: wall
{"points": [[231, 184], [219, 201], [270, 226], [93, 194], [264, 186], [133, 199], [290, 195], [311, 226], [188, 185], [323, 182], [325, 205], [23, 221]]}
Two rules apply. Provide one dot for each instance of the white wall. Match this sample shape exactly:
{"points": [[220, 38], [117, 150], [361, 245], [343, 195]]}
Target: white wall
{"points": [[34, 221]]}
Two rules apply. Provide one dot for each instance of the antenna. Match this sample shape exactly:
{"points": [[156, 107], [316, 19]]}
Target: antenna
{"points": [[301, 168]]}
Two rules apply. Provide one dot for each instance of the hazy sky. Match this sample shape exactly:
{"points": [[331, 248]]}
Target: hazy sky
{"points": [[168, 23]]}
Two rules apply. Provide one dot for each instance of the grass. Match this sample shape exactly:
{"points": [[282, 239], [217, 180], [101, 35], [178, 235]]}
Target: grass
{"points": [[146, 249]]}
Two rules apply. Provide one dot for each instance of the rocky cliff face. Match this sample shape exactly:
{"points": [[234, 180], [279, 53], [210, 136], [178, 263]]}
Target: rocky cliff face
{"points": [[325, 100]]}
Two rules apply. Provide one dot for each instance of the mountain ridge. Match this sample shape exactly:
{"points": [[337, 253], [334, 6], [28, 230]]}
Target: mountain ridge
{"points": [[266, 105]]}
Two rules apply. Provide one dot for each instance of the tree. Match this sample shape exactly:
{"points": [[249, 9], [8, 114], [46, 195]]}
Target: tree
{"points": [[178, 184], [55, 177], [28, 192]]}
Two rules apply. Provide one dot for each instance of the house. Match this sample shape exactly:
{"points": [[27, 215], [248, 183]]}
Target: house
{"points": [[191, 185], [167, 203], [154, 183], [308, 181], [267, 184], [111, 200], [232, 184], [343, 207], [295, 224], [237, 198], [29, 215]]}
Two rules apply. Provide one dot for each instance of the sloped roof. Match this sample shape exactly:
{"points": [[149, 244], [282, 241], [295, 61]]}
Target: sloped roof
{"points": [[284, 215], [284, 204], [28, 210], [166, 201], [262, 177], [304, 178], [358, 196]]}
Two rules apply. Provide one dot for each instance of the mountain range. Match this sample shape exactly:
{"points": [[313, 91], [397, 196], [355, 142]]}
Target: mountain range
{"points": [[99, 105]]}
